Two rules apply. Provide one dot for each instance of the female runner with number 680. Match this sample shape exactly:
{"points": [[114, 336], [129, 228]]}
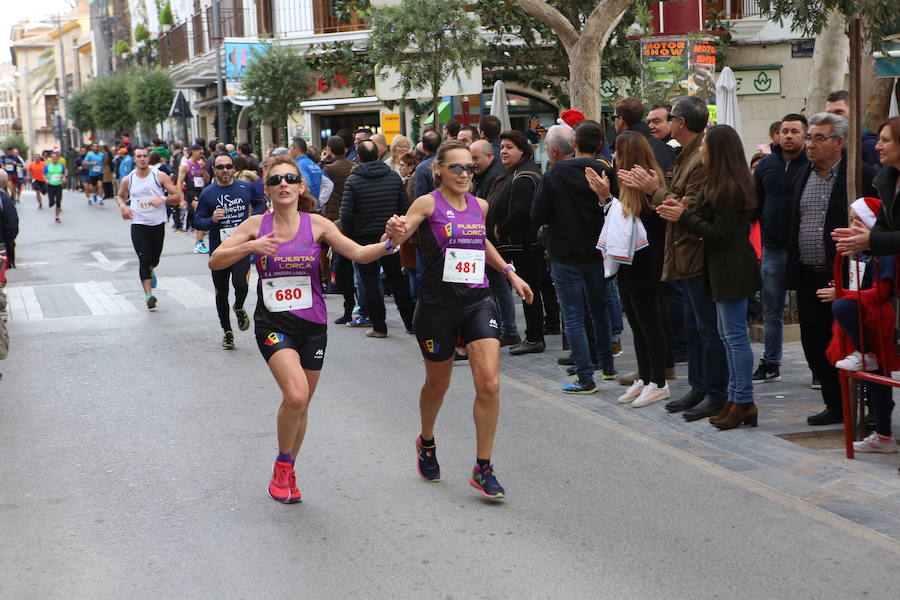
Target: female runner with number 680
{"points": [[290, 310]]}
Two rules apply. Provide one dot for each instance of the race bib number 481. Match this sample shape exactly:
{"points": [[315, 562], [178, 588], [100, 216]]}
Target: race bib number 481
{"points": [[463, 266], [287, 293]]}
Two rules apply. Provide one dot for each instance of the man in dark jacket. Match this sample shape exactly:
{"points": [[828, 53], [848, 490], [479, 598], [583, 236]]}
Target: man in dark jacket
{"points": [[629, 115], [423, 177], [488, 168], [338, 170], [372, 194], [574, 217], [775, 176], [819, 206], [9, 223]]}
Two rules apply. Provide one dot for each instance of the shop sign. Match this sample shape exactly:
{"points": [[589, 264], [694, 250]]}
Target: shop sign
{"points": [[670, 58], [237, 55], [390, 126], [758, 81], [803, 48]]}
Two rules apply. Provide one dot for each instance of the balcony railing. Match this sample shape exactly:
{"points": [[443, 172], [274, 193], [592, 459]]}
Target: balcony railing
{"points": [[173, 46], [327, 22], [732, 9], [246, 18]]}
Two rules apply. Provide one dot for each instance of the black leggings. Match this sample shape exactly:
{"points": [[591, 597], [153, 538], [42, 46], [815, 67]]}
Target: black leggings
{"points": [[238, 275], [644, 311], [148, 244], [54, 195], [530, 267]]}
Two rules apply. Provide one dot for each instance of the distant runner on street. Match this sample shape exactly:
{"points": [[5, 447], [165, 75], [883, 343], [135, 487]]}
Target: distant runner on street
{"points": [[142, 199]]}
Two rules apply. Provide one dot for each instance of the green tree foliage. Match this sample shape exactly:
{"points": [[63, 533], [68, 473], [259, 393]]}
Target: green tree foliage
{"points": [[140, 33], [810, 16], [110, 102], [165, 14], [339, 59], [15, 140], [150, 94], [425, 41], [276, 80], [79, 108]]}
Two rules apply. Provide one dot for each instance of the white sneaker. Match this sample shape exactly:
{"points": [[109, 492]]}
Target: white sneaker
{"points": [[874, 443], [632, 393], [854, 362], [650, 395]]}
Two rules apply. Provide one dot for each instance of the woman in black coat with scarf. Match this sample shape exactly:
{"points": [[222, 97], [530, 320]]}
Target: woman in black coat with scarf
{"points": [[511, 230]]}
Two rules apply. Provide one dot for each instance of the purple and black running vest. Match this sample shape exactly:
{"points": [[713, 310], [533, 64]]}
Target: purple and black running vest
{"points": [[443, 230], [298, 257]]}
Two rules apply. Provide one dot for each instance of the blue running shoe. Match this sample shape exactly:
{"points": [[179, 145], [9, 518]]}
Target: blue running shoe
{"points": [[428, 466], [151, 301], [483, 479], [579, 387], [360, 322], [152, 279]]}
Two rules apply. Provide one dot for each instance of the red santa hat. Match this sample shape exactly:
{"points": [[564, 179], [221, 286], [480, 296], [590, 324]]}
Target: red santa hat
{"points": [[867, 210], [570, 118]]}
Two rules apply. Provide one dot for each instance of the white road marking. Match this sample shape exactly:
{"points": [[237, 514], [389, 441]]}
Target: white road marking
{"points": [[23, 303], [186, 292], [102, 298]]}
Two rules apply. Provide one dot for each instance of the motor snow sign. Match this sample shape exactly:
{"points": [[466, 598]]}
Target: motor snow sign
{"points": [[758, 80]]}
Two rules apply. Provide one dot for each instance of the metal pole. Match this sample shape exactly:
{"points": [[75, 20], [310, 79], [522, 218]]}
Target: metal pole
{"points": [[220, 77], [63, 110]]}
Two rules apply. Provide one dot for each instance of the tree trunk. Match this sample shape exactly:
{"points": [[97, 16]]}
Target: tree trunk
{"points": [[829, 61], [436, 102], [584, 80], [878, 103], [584, 48]]}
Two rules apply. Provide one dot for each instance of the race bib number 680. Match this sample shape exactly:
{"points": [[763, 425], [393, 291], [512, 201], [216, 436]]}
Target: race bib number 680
{"points": [[287, 293]]}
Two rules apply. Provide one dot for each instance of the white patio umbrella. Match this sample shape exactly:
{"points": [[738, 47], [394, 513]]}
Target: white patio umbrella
{"points": [[500, 105], [726, 100]]}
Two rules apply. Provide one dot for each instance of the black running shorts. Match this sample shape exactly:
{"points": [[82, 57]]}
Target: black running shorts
{"points": [[95, 179], [308, 339], [440, 328]]}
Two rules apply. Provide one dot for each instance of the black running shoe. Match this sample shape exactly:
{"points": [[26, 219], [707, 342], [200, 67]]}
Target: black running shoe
{"points": [[428, 466], [228, 341], [485, 481], [243, 319], [766, 372]]}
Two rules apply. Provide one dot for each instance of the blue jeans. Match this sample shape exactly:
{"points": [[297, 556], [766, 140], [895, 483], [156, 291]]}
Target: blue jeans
{"points": [[503, 300], [614, 307], [707, 364], [582, 291], [732, 320], [774, 262]]}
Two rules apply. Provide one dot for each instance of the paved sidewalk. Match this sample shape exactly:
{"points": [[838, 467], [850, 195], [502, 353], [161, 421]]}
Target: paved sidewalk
{"points": [[865, 490]]}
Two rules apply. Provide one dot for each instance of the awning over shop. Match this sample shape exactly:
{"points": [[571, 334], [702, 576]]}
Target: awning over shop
{"points": [[445, 110]]}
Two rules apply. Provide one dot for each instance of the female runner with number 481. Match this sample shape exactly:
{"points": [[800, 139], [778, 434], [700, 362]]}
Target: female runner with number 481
{"points": [[290, 309], [455, 306]]}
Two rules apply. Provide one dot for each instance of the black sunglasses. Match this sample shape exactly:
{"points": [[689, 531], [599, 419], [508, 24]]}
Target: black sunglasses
{"points": [[291, 178], [457, 169], [223, 167]]}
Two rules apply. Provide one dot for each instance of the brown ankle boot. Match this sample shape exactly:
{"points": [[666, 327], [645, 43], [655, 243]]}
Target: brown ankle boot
{"points": [[722, 413], [741, 414]]}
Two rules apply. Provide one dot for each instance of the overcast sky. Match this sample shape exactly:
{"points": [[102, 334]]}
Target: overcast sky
{"points": [[14, 11]]}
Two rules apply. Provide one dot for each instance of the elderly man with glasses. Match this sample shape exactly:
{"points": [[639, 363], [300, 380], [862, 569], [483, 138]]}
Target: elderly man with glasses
{"points": [[819, 205]]}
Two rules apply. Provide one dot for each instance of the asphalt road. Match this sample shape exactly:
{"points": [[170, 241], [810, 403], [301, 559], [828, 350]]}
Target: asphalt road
{"points": [[135, 455]]}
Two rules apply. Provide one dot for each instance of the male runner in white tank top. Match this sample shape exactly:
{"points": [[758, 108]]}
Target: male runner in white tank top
{"points": [[142, 198]]}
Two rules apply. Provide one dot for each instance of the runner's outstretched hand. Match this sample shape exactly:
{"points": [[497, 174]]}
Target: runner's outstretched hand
{"points": [[126, 213], [522, 289]]}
